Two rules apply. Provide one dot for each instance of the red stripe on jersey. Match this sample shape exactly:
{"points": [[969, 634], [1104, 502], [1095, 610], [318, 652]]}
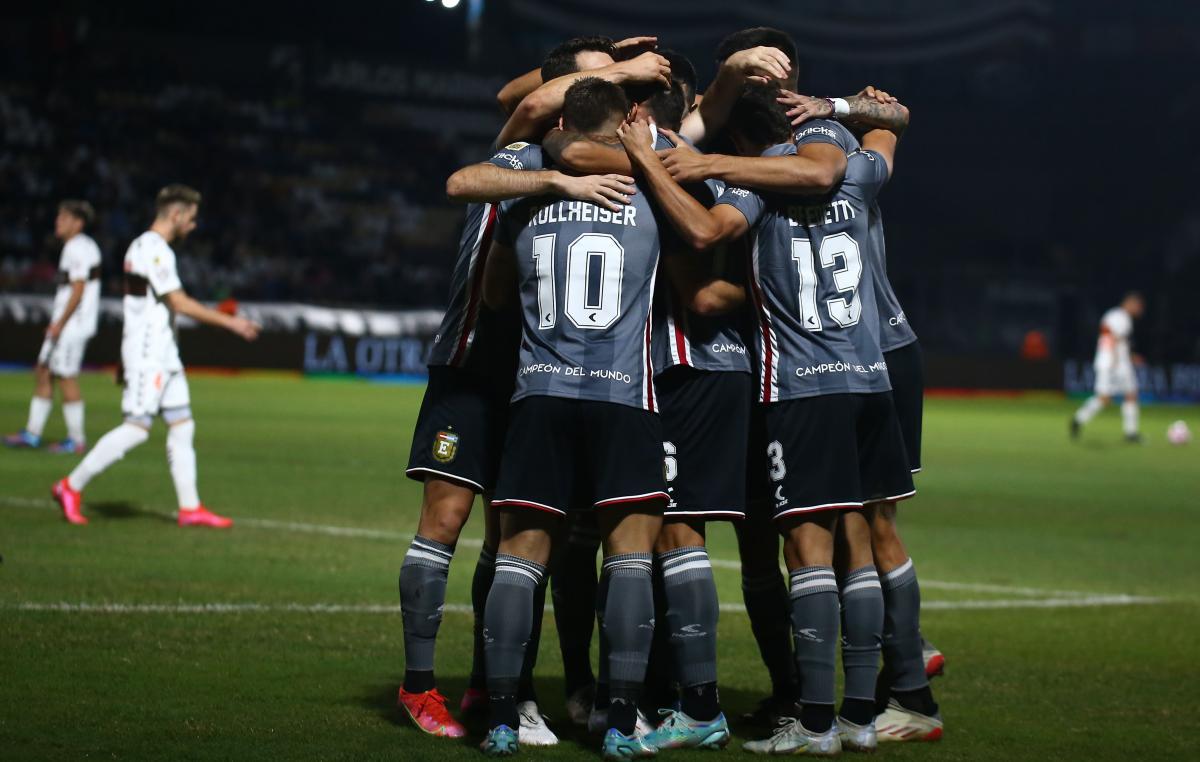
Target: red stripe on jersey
{"points": [[764, 323], [472, 313], [680, 341], [648, 368]]}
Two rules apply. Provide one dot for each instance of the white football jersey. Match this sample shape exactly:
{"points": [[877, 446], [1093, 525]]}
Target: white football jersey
{"points": [[1116, 328], [80, 261], [149, 335]]}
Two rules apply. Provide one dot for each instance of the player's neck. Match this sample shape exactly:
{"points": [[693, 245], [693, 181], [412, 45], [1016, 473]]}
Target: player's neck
{"points": [[163, 228]]}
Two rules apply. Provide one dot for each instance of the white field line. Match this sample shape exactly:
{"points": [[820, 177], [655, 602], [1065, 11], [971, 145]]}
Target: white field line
{"points": [[467, 542], [460, 608]]}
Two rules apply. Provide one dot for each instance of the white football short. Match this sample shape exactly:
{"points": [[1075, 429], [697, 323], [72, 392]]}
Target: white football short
{"points": [[1116, 380], [149, 391], [64, 356]]}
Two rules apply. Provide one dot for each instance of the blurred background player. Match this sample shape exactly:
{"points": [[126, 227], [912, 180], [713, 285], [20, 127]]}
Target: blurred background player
{"points": [[153, 375], [1114, 366], [72, 324]]}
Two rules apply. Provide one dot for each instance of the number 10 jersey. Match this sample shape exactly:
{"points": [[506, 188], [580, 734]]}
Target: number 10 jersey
{"points": [[586, 278], [818, 322]]}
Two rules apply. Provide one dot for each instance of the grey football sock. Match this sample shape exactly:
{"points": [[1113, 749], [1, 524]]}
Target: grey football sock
{"points": [[902, 628], [814, 606], [508, 620], [691, 595], [422, 595], [481, 584], [862, 627], [629, 624]]}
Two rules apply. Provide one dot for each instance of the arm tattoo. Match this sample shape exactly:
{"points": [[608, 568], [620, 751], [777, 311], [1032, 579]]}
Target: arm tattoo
{"points": [[868, 112]]}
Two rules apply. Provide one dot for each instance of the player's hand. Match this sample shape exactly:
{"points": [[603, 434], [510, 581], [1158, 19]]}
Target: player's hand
{"points": [[686, 165], [680, 143], [648, 67], [880, 96], [608, 191], [53, 331], [760, 64], [637, 139], [247, 329], [633, 46], [801, 108]]}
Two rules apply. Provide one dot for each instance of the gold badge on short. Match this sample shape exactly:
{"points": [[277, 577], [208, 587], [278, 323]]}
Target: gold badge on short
{"points": [[445, 446]]}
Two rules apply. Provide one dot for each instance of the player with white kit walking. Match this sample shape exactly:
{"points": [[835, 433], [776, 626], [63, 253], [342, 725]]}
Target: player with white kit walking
{"points": [[1114, 368], [155, 383], [72, 324]]}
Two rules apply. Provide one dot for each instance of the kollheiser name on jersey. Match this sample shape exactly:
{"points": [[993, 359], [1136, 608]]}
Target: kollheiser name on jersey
{"points": [[840, 367], [816, 215], [576, 371], [582, 211]]}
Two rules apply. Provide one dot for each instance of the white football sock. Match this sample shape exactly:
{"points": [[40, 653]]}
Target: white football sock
{"points": [[111, 448], [1129, 417], [39, 411], [181, 455], [1089, 410], [73, 415]]}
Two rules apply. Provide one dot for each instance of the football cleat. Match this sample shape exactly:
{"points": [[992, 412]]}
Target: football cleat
{"points": [[617, 745], [500, 741], [23, 439], [900, 724], [1134, 438], [473, 701], [202, 517], [1075, 428], [597, 722], [857, 737], [770, 711], [793, 738], [68, 447], [428, 711], [935, 661], [70, 501], [679, 731], [534, 731], [579, 704]]}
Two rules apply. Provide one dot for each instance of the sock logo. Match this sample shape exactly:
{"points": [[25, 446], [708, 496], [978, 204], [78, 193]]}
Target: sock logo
{"points": [[810, 634], [690, 631], [445, 446]]}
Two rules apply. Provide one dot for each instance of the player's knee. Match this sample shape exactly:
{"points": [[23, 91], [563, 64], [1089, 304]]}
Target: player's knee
{"points": [[630, 531], [526, 534], [808, 540], [679, 534], [444, 511]]}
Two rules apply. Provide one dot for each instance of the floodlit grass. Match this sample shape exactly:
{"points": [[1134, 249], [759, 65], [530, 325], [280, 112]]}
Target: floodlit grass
{"points": [[1005, 501]]}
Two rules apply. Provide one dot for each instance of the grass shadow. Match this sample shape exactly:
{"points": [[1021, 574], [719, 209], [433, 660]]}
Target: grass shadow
{"points": [[127, 510]]}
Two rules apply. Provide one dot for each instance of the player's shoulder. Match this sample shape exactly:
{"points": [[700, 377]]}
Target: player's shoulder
{"points": [[83, 245], [519, 155], [825, 131]]}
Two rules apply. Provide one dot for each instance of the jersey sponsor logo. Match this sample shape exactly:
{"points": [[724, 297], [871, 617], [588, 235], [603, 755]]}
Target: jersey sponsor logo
{"points": [[739, 192], [445, 446], [512, 160], [815, 129]]}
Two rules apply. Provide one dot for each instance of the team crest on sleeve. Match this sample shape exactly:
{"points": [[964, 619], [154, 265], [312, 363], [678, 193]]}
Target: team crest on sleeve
{"points": [[515, 146], [445, 446]]}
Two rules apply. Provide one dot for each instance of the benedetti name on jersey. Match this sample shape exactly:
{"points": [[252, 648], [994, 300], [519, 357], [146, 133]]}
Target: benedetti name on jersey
{"points": [[582, 211], [821, 214]]}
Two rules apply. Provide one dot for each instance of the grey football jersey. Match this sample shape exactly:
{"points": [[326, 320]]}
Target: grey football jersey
{"points": [[586, 277], [681, 337], [472, 336], [894, 330], [818, 321]]}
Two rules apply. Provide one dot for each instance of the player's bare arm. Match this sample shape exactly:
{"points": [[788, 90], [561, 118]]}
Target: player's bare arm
{"points": [[487, 182], [181, 304], [694, 284], [54, 330], [882, 142], [757, 64], [814, 169], [701, 228], [528, 120], [511, 95], [582, 153], [500, 277], [869, 108]]}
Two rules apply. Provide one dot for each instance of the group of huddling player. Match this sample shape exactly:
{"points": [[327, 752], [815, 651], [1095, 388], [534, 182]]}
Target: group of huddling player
{"points": [[670, 309]]}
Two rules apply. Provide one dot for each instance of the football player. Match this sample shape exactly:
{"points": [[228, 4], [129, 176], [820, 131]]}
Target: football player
{"points": [[72, 324], [1114, 367]]}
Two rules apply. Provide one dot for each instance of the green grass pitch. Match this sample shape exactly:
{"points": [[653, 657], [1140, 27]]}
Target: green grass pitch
{"points": [[1060, 580]]}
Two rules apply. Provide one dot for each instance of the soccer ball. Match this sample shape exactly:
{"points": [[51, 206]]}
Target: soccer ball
{"points": [[1178, 433]]}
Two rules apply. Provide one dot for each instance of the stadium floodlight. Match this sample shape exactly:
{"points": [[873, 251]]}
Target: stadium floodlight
{"points": [[450, 3]]}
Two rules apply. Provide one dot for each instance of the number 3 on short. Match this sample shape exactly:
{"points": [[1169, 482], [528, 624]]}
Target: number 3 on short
{"points": [[845, 312], [595, 267]]}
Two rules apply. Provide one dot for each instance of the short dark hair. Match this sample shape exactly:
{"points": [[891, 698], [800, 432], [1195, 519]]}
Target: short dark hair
{"points": [[79, 209], [591, 102], [759, 117], [561, 60], [176, 194], [754, 37], [667, 106], [683, 72]]}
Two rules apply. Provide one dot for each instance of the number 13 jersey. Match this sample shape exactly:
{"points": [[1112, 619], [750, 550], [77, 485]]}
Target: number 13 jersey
{"points": [[586, 277], [818, 322]]}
